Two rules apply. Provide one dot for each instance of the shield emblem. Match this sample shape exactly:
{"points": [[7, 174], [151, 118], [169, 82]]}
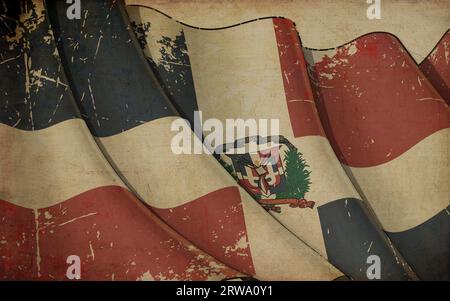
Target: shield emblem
{"points": [[262, 170]]}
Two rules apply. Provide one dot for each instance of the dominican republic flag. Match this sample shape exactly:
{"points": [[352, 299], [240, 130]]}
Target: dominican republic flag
{"points": [[257, 70], [131, 118], [59, 197], [389, 127]]}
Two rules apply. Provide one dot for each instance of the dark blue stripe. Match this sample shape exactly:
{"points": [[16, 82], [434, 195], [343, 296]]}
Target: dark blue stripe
{"points": [[175, 73], [427, 246], [351, 235], [27, 53], [113, 86]]}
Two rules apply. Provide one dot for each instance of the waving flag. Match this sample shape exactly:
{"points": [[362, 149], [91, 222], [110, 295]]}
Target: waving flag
{"points": [[131, 117], [256, 71], [390, 129], [101, 178], [58, 195]]}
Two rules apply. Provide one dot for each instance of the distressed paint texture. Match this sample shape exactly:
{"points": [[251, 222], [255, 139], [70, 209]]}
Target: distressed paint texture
{"points": [[18, 252], [299, 98], [55, 203], [205, 225], [171, 65], [141, 151], [128, 105], [374, 102], [390, 128], [436, 67], [263, 63], [114, 235], [429, 240], [117, 238], [33, 90], [101, 39], [339, 220], [322, 23]]}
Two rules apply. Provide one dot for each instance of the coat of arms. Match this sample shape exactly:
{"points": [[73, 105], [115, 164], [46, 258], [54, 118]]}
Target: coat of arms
{"points": [[274, 174]]}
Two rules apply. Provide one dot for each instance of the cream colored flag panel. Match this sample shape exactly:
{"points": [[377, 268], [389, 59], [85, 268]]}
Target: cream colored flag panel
{"points": [[257, 71]]}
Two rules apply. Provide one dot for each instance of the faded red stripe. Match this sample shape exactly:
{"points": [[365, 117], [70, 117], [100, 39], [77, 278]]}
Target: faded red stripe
{"points": [[437, 67], [17, 242], [115, 236], [299, 96], [374, 102], [215, 222]]}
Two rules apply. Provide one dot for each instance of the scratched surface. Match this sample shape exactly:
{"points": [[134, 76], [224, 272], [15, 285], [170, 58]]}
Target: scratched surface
{"points": [[322, 23], [34, 93], [99, 40], [172, 66], [129, 107], [257, 70], [126, 108], [55, 202], [436, 66], [347, 82], [115, 237], [390, 128]]}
